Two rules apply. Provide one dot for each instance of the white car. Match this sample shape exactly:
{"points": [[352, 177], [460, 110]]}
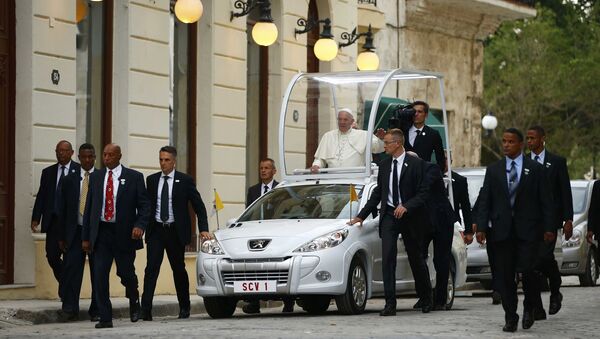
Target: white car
{"points": [[295, 241]]}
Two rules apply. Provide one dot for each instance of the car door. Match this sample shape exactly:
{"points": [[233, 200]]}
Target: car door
{"points": [[370, 236]]}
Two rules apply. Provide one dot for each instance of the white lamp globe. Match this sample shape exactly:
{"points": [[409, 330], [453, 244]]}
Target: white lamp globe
{"points": [[264, 33], [367, 61], [489, 122], [188, 11], [326, 49]]}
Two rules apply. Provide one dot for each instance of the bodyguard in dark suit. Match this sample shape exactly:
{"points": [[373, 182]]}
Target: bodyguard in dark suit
{"points": [[594, 214], [556, 170], [47, 201], [460, 192], [170, 228], [423, 139], [72, 206], [266, 171], [116, 214], [402, 192], [441, 230], [517, 200]]}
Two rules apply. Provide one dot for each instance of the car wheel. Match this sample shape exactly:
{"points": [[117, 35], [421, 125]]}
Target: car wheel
{"points": [[354, 300], [220, 307], [317, 304], [589, 277], [450, 291]]}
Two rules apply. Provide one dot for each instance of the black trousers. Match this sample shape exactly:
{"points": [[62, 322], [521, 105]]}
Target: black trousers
{"points": [[390, 228], [548, 266], [514, 256], [442, 247], [161, 239], [106, 250], [489, 247], [53, 252], [72, 277]]}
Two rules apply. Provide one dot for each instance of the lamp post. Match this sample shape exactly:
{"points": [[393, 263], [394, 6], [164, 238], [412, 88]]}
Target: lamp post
{"points": [[326, 48], [489, 122], [188, 11], [264, 32], [367, 60]]}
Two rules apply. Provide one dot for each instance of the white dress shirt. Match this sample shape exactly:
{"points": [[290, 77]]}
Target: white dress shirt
{"points": [[399, 166], [542, 156], [66, 171], [161, 182], [116, 173], [412, 134], [79, 216]]}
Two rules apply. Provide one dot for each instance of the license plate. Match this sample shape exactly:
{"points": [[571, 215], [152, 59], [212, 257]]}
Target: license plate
{"points": [[255, 286]]}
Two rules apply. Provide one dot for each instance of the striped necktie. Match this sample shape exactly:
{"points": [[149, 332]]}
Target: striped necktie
{"points": [[84, 192], [513, 182]]}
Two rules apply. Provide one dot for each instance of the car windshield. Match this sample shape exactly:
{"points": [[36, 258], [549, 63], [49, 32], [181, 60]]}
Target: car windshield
{"points": [[579, 199], [304, 202]]}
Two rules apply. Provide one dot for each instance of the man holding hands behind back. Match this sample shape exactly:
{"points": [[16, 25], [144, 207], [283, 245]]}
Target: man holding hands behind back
{"points": [[402, 191]]}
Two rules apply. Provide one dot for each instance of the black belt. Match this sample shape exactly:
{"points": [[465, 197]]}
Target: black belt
{"points": [[164, 224]]}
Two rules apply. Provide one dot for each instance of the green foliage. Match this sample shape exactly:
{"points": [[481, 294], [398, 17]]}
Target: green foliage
{"points": [[546, 71]]}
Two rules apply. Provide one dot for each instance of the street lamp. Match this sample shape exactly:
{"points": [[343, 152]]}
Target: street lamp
{"points": [[264, 32], [326, 48], [188, 11], [367, 60], [489, 122]]}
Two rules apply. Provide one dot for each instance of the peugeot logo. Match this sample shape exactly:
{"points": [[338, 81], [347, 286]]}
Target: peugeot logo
{"points": [[258, 244]]}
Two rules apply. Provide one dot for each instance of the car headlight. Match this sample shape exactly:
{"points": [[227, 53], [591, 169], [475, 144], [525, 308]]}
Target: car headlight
{"points": [[211, 246], [575, 239], [325, 241]]}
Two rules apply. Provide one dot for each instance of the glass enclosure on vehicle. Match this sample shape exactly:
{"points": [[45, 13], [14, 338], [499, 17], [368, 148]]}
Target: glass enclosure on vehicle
{"points": [[315, 136], [304, 202]]}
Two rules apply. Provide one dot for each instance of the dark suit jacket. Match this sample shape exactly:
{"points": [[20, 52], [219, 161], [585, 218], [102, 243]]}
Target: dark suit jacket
{"points": [[460, 190], [132, 208], [255, 192], [427, 143], [45, 200], [440, 212], [594, 211], [556, 170], [69, 206], [532, 213], [413, 190], [184, 192]]}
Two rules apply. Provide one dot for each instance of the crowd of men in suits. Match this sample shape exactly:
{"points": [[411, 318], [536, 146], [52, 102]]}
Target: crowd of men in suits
{"points": [[104, 213]]}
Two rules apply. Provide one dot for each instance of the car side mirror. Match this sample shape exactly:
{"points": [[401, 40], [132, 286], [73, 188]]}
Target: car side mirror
{"points": [[230, 222]]}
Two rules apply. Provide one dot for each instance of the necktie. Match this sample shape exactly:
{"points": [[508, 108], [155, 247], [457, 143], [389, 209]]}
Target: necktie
{"points": [[109, 202], [164, 200], [266, 189], [537, 158], [84, 192], [419, 132], [57, 195], [512, 182], [395, 193]]}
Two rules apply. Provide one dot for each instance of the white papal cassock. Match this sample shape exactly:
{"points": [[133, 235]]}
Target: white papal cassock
{"points": [[338, 149]]}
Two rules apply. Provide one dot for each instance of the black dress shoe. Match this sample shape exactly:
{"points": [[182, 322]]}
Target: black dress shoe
{"points": [[146, 315], [528, 319], [104, 324], [288, 308], [539, 313], [426, 307], [64, 316], [388, 310], [251, 308], [94, 317], [496, 298], [184, 313], [418, 305], [555, 303], [134, 311], [511, 326]]}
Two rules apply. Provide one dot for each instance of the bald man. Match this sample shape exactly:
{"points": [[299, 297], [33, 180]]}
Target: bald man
{"points": [[345, 146], [117, 212]]}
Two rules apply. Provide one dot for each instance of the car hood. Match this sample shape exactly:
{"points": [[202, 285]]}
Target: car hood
{"points": [[285, 235]]}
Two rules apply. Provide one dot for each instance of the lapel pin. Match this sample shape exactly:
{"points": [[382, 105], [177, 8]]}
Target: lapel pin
{"points": [[423, 133], [176, 180], [548, 164], [526, 171], [405, 165], [122, 181], [72, 171]]}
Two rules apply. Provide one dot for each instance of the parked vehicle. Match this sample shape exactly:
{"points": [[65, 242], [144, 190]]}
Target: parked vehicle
{"points": [[579, 257]]}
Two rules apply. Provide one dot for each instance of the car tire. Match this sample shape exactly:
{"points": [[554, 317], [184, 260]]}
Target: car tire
{"points": [[220, 307], [317, 304], [354, 300], [589, 277], [451, 290]]}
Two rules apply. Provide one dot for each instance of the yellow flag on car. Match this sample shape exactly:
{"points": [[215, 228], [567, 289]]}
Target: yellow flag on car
{"points": [[218, 202], [353, 195]]}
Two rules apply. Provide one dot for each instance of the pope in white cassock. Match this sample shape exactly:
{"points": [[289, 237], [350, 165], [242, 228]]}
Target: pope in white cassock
{"points": [[345, 146]]}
